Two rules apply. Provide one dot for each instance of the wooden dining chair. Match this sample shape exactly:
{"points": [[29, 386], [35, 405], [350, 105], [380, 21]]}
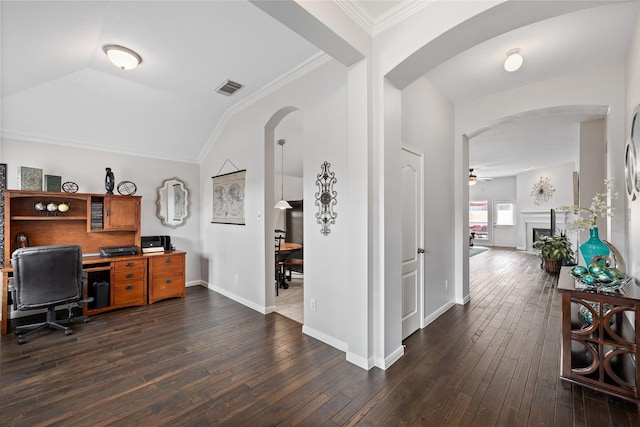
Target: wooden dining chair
{"points": [[279, 261]]}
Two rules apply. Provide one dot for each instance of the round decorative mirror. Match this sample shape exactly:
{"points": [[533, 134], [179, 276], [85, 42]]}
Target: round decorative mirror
{"points": [[173, 203]]}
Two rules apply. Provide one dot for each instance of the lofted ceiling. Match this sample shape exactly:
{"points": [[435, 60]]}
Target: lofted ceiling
{"points": [[58, 86]]}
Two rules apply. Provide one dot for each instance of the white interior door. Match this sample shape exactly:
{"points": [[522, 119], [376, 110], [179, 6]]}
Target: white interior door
{"points": [[504, 229], [412, 241]]}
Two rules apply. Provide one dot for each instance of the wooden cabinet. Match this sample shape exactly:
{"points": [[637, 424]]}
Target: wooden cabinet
{"points": [[129, 282], [166, 276], [81, 224], [600, 338], [121, 213]]}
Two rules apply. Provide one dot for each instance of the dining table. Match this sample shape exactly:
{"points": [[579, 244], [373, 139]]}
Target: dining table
{"points": [[285, 249]]}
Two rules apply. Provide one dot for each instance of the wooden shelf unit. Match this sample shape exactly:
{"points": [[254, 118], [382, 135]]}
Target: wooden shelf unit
{"points": [[121, 225], [133, 279], [601, 346]]}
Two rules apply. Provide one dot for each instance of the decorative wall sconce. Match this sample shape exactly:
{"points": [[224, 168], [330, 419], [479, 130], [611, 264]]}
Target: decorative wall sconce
{"points": [[326, 198]]}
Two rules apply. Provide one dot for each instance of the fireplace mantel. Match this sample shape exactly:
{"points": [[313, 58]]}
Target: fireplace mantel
{"points": [[527, 221]]}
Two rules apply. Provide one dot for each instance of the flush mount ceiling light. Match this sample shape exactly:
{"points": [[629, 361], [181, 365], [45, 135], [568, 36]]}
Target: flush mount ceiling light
{"points": [[122, 57], [514, 60], [282, 204], [472, 178]]}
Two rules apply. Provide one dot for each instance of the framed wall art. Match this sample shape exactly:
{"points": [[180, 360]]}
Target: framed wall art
{"points": [[228, 198], [3, 186], [30, 178], [53, 183]]}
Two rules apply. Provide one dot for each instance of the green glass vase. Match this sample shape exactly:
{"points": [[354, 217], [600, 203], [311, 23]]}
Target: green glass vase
{"points": [[593, 246]]}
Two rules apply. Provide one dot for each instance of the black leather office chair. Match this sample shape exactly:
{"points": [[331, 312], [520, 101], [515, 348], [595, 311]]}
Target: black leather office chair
{"points": [[44, 277]]}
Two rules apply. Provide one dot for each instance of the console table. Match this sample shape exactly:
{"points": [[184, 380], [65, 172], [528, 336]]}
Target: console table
{"points": [[601, 338]]}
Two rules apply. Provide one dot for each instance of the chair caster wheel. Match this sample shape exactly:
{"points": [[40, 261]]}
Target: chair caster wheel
{"points": [[68, 331], [21, 341], [285, 286]]}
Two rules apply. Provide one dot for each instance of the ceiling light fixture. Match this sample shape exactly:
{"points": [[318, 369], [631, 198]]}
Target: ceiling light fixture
{"points": [[122, 57], [514, 60], [282, 204], [472, 178]]}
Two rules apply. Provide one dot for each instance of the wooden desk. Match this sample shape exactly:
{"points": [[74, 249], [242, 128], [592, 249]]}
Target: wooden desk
{"points": [[602, 354], [134, 280]]}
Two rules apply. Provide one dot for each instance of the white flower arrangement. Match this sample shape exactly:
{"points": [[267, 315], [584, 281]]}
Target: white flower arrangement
{"points": [[600, 208]]}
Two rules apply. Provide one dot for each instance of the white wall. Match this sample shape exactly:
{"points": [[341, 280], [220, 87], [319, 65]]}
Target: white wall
{"points": [[235, 257], [427, 125], [87, 169], [594, 86], [560, 177], [632, 209]]}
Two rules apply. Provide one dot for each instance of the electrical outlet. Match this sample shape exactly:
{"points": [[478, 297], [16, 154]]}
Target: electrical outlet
{"points": [[237, 279], [313, 304], [446, 284]]}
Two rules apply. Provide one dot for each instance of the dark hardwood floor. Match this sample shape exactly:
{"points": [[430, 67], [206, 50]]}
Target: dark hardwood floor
{"points": [[206, 360]]}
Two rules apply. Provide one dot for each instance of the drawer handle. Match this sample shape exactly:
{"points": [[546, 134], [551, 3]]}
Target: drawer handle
{"points": [[168, 260], [130, 264], [167, 281], [129, 276], [128, 288]]}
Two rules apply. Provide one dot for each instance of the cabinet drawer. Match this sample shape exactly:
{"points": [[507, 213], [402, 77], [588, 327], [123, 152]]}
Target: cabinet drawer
{"points": [[131, 293], [166, 287], [167, 265], [130, 275], [129, 264]]}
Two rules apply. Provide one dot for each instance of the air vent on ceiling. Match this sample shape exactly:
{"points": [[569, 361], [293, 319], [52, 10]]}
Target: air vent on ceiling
{"points": [[228, 88]]}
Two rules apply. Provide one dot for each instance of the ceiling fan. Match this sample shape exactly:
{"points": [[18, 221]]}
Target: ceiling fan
{"points": [[473, 179]]}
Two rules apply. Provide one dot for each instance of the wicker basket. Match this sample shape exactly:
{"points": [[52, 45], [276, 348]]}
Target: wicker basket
{"points": [[552, 266]]}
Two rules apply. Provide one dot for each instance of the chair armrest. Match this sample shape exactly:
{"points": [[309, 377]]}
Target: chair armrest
{"points": [[85, 280], [12, 291]]}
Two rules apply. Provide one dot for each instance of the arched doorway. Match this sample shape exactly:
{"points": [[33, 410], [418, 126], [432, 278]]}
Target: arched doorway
{"points": [[284, 124]]}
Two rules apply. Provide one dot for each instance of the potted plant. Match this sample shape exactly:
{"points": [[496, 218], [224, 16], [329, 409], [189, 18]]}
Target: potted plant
{"points": [[555, 251]]}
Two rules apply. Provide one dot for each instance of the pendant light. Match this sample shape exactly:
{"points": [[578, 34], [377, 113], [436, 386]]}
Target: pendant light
{"points": [[472, 178], [282, 204]]}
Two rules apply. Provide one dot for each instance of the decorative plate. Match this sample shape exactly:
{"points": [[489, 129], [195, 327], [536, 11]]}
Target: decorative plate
{"points": [[127, 188], [70, 187]]}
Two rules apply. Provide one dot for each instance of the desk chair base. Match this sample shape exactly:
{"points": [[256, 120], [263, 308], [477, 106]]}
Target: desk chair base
{"points": [[50, 323]]}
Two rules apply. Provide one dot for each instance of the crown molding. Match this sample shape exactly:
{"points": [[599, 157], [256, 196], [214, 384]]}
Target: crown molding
{"points": [[310, 64], [42, 139], [376, 25]]}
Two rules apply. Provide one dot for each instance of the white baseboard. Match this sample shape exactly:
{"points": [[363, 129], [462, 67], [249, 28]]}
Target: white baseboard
{"points": [[391, 359], [340, 345], [360, 361], [238, 299], [439, 312]]}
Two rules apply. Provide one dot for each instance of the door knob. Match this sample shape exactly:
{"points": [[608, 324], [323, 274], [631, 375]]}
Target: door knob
{"points": [[420, 250]]}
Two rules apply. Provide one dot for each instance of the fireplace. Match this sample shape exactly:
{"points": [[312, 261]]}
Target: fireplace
{"points": [[538, 232]]}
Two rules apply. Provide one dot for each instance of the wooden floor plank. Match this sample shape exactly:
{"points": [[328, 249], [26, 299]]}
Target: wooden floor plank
{"points": [[206, 360]]}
